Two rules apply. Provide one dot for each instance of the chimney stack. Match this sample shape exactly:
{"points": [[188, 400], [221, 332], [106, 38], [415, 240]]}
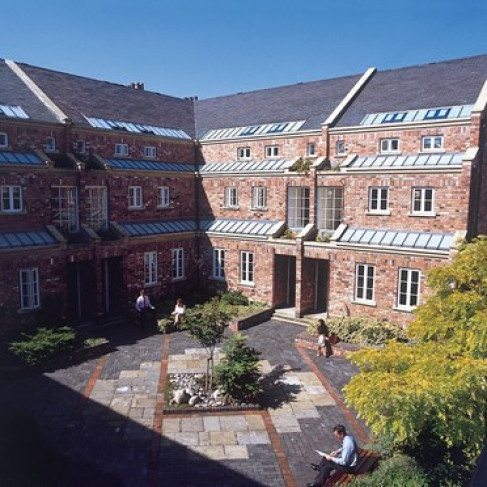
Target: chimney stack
{"points": [[137, 85]]}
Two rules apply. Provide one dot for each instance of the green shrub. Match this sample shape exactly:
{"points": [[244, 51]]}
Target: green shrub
{"points": [[93, 342], [45, 343], [397, 471], [365, 331], [238, 373], [233, 297]]}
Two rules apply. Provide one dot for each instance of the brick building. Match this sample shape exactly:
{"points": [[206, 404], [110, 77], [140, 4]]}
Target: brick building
{"points": [[331, 196]]}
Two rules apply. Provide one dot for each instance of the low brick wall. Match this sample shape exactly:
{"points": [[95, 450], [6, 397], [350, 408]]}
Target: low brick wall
{"points": [[339, 348], [251, 320]]}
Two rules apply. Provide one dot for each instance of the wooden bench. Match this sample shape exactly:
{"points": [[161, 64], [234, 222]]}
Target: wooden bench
{"points": [[366, 463]]}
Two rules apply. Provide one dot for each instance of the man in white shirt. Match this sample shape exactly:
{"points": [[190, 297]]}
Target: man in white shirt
{"points": [[344, 459], [143, 307]]}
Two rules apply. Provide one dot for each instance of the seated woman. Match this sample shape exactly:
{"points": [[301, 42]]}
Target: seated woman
{"points": [[179, 312], [323, 344]]}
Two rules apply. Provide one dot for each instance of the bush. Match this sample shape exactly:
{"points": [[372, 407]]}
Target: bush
{"points": [[45, 343], [238, 373], [233, 297], [365, 331], [397, 471]]}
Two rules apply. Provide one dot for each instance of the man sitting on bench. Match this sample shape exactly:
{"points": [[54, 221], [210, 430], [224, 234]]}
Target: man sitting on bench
{"points": [[344, 459]]}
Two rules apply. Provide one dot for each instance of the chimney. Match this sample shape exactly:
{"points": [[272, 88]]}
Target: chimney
{"points": [[137, 85]]}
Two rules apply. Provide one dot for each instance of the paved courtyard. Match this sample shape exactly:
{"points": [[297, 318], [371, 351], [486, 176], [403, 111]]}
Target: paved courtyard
{"points": [[102, 422]]}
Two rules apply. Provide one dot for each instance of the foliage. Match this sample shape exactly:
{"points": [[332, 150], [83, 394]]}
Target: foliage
{"points": [[93, 342], [302, 165], [397, 471], [43, 344], [362, 331], [233, 297], [289, 234], [438, 384], [206, 323], [238, 373]]}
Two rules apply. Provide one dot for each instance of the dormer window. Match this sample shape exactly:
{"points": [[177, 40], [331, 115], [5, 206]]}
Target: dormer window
{"points": [[389, 146], [311, 149], [340, 148], [121, 150], [50, 144], [432, 143], [272, 151], [3, 140]]}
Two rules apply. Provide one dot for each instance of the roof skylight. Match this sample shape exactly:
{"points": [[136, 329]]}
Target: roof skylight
{"points": [[12, 111], [252, 130]]}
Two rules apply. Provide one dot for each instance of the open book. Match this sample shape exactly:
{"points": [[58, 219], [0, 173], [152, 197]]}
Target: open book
{"points": [[323, 454]]}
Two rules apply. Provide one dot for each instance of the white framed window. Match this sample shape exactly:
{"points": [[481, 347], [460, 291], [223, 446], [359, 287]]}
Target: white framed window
{"points": [[432, 143], [177, 264], [65, 207], [379, 199], [3, 139], [218, 270], [150, 152], [11, 199], [163, 197], [408, 289], [80, 147], [29, 288], [298, 206], [422, 201], [231, 197], [364, 283], [389, 146], [135, 197], [259, 197], [50, 144], [243, 153], [340, 148], [97, 208], [272, 151], [121, 150], [329, 208], [150, 268], [311, 149], [246, 267]]}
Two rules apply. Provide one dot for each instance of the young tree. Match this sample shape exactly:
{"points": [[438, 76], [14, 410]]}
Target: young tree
{"points": [[438, 382], [206, 323]]}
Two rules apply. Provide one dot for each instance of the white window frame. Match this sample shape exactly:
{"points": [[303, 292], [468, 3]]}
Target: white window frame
{"points": [[259, 198], [3, 139], [386, 146], [29, 288], [243, 153], [97, 207], [150, 268], [423, 201], [121, 149], [80, 147], [247, 265], [298, 206], [340, 148], [177, 268], [163, 197], [433, 143], [364, 292], [50, 144], [136, 197], [231, 197], [218, 268], [11, 199], [150, 152], [271, 151], [407, 295], [329, 208], [65, 207], [311, 149], [379, 200]]}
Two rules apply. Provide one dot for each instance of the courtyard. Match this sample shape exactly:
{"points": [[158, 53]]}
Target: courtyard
{"points": [[102, 422]]}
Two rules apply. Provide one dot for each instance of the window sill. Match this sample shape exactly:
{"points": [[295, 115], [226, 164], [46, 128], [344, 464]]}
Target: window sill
{"points": [[6, 212], [404, 309], [148, 285], [365, 303], [177, 279], [22, 311], [136, 208], [247, 284], [426, 214], [230, 207], [264, 208], [219, 279], [169, 207], [379, 213]]}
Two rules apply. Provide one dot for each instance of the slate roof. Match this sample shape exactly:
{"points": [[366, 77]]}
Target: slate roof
{"points": [[14, 92], [448, 83], [312, 102], [77, 96]]}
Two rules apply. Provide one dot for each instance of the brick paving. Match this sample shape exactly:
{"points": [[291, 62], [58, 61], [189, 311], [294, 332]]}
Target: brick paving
{"points": [[102, 422]]}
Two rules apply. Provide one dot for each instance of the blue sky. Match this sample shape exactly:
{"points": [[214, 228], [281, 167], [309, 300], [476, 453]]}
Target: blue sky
{"points": [[213, 47]]}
